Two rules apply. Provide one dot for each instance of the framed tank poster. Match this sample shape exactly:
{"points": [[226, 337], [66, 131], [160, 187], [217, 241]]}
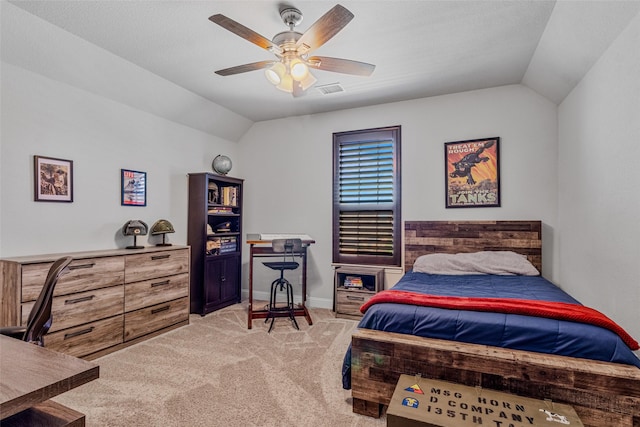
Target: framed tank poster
{"points": [[472, 173]]}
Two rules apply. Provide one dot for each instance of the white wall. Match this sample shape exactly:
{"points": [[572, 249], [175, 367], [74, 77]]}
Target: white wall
{"points": [[287, 165], [599, 201], [44, 117], [66, 98]]}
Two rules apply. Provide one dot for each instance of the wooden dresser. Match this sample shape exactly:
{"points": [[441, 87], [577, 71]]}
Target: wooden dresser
{"points": [[107, 299]]}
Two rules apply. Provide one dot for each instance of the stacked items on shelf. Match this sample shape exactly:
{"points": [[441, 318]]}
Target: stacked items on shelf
{"points": [[221, 245], [230, 196], [221, 210], [223, 227], [227, 245], [353, 282]]}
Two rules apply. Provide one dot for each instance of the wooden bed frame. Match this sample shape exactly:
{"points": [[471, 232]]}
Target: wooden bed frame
{"points": [[603, 394]]}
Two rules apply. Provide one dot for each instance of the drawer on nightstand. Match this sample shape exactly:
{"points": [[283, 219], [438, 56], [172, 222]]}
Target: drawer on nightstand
{"points": [[83, 307], [157, 264], [349, 301], [146, 320], [155, 291], [82, 275], [88, 338]]}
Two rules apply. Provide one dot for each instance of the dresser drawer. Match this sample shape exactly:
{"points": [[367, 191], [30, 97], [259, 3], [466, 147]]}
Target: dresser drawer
{"points": [[158, 264], [146, 320], [349, 301], [83, 307], [150, 292], [88, 338], [82, 275]]}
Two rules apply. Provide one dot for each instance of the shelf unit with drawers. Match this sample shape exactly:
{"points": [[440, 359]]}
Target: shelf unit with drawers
{"points": [[355, 285], [106, 300]]}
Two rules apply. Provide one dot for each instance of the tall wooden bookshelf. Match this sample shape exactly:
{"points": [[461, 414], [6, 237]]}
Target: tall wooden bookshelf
{"points": [[214, 234]]}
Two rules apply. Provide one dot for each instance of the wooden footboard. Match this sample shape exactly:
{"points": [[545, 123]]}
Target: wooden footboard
{"points": [[603, 394]]}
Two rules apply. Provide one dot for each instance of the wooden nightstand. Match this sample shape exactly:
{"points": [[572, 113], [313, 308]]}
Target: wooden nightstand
{"points": [[349, 295]]}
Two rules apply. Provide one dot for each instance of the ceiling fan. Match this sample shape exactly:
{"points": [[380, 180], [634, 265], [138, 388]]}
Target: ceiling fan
{"points": [[290, 71]]}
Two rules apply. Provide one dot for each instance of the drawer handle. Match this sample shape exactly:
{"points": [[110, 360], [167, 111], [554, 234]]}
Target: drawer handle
{"points": [[159, 310], [155, 257], [79, 266], [78, 333], [82, 299], [166, 282], [352, 298]]}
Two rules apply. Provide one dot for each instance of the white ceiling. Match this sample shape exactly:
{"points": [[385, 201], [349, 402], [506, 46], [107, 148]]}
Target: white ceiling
{"points": [[420, 48]]}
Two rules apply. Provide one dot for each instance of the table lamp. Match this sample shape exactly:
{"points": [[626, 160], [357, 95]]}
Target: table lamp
{"points": [[135, 228], [162, 226]]}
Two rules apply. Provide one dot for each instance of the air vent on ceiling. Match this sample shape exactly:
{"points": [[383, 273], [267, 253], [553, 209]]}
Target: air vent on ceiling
{"points": [[330, 88]]}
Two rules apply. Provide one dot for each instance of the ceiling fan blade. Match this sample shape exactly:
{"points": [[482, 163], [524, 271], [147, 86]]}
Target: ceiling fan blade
{"points": [[245, 33], [324, 28], [344, 66], [245, 68]]}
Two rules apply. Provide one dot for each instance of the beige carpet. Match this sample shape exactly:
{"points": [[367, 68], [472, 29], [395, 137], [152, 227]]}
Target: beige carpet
{"points": [[216, 372]]}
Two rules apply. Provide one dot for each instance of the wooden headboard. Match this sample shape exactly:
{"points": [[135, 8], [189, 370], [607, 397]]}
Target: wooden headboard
{"points": [[427, 237]]}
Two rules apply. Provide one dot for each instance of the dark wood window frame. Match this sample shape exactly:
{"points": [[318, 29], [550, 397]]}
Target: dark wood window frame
{"points": [[367, 206]]}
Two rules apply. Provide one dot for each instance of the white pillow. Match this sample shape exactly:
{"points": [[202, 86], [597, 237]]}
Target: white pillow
{"points": [[485, 262]]}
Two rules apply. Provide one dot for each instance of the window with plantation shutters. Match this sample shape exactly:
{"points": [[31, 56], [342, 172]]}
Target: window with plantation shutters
{"points": [[366, 197]]}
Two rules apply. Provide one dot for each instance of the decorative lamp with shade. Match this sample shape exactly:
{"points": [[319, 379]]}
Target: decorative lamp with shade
{"points": [[135, 228], [162, 226]]}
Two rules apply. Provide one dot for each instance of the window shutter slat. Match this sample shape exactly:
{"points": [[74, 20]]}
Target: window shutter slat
{"points": [[366, 172], [366, 232], [367, 197]]}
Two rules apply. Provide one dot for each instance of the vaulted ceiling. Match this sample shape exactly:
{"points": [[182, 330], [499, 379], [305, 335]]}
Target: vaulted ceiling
{"points": [[420, 48]]}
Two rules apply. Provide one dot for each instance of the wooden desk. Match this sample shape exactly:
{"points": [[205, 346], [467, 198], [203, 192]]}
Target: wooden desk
{"points": [[262, 248], [29, 375]]}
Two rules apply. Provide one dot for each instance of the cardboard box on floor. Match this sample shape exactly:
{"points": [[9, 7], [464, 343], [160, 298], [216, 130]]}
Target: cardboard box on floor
{"points": [[421, 402]]}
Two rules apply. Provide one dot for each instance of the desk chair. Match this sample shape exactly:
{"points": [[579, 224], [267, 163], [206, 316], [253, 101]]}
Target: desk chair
{"points": [[40, 317], [287, 247]]}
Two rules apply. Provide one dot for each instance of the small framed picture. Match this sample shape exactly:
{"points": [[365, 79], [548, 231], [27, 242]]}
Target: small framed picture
{"points": [[472, 173], [134, 188], [53, 179]]}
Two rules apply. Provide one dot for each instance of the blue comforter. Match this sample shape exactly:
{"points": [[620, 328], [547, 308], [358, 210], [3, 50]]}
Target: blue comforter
{"points": [[514, 331]]}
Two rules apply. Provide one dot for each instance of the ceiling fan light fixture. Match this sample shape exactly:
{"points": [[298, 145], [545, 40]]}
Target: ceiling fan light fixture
{"points": [[275, 73], [286, 84], [291, 71], [299, 70]]}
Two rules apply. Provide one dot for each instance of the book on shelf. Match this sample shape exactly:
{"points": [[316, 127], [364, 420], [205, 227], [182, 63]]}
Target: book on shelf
{"points": [[230, 196], [353, 282], [221, 210]]}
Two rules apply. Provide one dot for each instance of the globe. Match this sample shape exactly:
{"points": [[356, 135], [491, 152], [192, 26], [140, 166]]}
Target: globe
{"points": [[221, 164]]}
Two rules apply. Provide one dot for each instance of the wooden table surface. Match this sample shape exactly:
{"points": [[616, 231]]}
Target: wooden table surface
{"points": [[30, 374]]}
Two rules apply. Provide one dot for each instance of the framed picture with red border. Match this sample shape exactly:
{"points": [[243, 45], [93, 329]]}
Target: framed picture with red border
{"points": [[134, 188]]}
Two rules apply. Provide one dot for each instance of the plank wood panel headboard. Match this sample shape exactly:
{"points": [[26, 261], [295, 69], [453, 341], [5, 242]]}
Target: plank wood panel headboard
{"points": [[427, 237]]}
